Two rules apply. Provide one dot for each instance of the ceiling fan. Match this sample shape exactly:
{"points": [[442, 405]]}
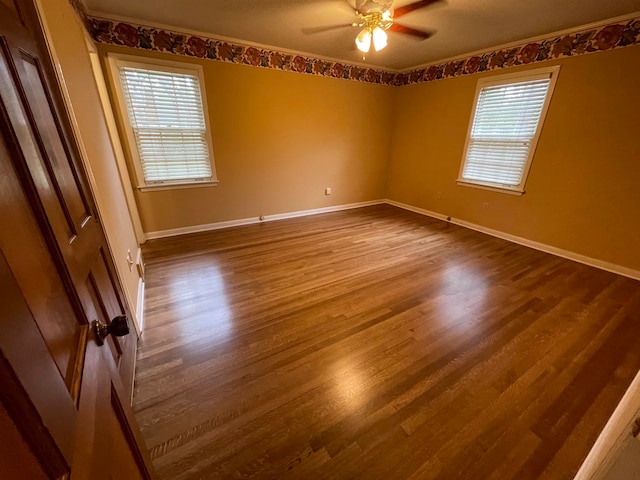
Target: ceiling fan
{"points": [[375, 18]]}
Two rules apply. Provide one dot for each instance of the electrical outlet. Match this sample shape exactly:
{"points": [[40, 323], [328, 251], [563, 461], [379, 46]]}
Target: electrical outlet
{"points": [[485, 206], [439, 195], [327, 191], [130, 260]]}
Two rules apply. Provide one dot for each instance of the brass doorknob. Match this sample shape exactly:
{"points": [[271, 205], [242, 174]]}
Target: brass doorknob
{"points": [[119, 327]]}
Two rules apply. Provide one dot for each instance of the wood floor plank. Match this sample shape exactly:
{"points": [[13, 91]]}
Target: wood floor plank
{"points": [[377, 343]]}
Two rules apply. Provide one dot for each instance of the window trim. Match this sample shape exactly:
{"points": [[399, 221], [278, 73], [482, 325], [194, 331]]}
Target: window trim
{"points": [[494, 80], [115, 61]]}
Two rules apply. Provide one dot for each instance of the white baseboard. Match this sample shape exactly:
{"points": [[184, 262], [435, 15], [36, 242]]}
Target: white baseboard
{"points": [[421, 211], [248, 221], [593, 262]]}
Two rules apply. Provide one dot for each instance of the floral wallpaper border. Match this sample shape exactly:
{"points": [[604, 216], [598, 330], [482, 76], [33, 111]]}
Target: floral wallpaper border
{"points": [[112, 32], [600, 39], [159, 40]]}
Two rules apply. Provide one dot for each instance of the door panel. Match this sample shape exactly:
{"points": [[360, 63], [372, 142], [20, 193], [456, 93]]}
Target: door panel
{"points": [[61, 173], [24, 349], [115, 450], [126, 464], [52, 311], [28, 142], [100, 288], [21, 463]]}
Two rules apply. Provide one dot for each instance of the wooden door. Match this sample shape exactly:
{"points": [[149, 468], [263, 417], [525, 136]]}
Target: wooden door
{"points": [[42, 139], [68, 396]]}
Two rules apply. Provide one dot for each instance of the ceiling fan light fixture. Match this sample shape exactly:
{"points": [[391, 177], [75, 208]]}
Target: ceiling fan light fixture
{"points": [[379, 38], [363, 40]]}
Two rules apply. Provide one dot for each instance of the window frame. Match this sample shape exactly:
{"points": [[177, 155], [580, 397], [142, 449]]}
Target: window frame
{"points": [[115, 61], [506, 79]]}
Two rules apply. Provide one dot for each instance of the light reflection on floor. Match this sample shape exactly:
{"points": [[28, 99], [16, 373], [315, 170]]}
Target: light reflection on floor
{"points": [[349, 384], [201, 301], [462, 291]]}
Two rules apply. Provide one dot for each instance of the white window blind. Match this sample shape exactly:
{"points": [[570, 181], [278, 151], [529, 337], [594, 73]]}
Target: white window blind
{"points": [[503, 132], [166, 115]]}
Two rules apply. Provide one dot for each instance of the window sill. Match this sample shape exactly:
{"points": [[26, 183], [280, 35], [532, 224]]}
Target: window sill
{"points": [[176, 186], [492, 188]]}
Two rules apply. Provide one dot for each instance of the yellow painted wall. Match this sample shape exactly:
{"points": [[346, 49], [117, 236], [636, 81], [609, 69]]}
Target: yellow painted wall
{"points": [[279, 139], [71, 50], [583, 190]]}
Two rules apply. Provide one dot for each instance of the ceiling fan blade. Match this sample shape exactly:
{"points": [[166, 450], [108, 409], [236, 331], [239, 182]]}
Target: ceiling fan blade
{"points": [[330, 28], [400, 11], [396, 27]]}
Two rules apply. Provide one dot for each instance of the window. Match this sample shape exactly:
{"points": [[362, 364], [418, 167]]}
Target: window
{"points": [[164, 109], [505, 125]]}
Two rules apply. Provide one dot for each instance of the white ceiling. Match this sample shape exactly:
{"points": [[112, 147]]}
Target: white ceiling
{"points": [[460, 26]]}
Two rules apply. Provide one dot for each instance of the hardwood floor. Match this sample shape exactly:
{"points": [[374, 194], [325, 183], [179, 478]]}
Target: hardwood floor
{"points": [[377, 344]]}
